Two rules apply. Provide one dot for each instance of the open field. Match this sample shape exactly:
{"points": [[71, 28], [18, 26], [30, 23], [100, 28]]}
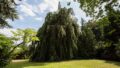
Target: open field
{"points": [[65, 64]]}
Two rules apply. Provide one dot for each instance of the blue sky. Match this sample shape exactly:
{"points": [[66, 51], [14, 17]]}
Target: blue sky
{"points": [[32, 12]]}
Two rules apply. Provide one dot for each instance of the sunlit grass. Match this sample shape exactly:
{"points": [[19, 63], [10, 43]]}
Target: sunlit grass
{"points": [[65, 64]]}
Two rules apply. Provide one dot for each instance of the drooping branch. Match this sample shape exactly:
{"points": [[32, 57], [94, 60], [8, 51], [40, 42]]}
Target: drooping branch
{"points": [[14, 49]]}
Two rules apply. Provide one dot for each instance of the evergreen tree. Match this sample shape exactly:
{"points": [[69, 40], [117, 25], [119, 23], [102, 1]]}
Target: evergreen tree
{"points": [[87, 42], [112, 34], [107, 34], [58, 37]]}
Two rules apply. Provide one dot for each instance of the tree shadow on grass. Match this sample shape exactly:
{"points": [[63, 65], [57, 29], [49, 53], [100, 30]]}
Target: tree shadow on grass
{"points": [[25, 64], [113, 62]]}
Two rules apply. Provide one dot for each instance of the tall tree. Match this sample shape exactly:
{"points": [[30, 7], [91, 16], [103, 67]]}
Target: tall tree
{"points": [[112, 33], [108, 35], [58, 37]]}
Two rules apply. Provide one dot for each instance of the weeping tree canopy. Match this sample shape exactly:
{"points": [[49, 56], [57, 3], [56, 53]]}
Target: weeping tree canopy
{"points": [[7, 11], [58, 37]]}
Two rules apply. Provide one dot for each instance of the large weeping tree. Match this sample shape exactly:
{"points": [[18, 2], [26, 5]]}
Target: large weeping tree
{"points": [[58, 37]]}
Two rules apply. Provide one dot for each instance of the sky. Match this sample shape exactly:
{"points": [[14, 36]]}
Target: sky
{"points": [[33, 12]]}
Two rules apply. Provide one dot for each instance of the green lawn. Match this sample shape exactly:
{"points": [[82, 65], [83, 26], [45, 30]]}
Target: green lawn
{"points": [[65, 64]]}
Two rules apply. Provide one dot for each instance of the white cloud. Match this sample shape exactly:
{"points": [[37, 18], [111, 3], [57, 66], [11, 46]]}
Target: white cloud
{"points": [[32, 10], [36, 10], [39, 18], [27, 10], [42, 7], [21, 17], [46, 5], [7, 32], [53, 5]]}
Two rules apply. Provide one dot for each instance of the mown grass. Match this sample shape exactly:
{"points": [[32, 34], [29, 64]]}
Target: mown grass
{"points": [[65, 64]]}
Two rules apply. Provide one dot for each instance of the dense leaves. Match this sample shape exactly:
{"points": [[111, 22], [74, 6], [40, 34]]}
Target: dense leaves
{"points": [[26, 36], [5, 47], [7, 11], [87, 43], [108, 35], [98, 8]]}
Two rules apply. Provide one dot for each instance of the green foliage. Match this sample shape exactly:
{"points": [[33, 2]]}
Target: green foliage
{"points": [[26, 36], [7, 11], [20, 53], [107, 34], [112, 30], [58, 37], [87, 43], [5, 47], [98, 8]]}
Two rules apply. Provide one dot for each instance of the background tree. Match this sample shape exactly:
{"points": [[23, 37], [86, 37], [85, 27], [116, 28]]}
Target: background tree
{"points": [[112, 34], [107, 34], [26, 37], [87, 42]]}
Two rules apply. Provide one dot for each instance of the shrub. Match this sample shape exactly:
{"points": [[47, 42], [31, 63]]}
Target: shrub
{"points": [[5, 47], [20, 53]]}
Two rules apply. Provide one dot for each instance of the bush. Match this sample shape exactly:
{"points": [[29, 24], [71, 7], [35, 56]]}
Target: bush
{"points": [[4, 61], [20, 53], [5, 47]]}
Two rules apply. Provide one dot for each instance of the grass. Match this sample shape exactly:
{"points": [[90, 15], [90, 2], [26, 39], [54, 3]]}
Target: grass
{"points": [[65, 64]]}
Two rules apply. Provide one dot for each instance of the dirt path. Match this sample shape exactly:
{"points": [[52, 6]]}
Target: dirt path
{"points": [[19, 60]]}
